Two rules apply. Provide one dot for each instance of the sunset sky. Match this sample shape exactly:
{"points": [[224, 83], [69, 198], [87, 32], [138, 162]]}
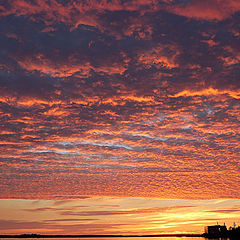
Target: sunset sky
{"points": [[119, 116]]}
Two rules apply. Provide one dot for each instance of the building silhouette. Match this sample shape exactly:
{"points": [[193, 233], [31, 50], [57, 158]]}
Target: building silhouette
{"points": [[219, 231], [216, 230]]}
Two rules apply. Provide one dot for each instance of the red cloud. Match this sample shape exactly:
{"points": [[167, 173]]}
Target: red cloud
{"points": [[207, 9], [74, 12]]}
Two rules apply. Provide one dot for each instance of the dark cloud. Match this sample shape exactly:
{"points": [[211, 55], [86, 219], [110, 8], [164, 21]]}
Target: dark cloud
{"points": [[16, 226], [71, 220]]}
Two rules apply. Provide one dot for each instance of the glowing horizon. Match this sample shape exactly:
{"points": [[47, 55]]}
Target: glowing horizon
{"points": [[114, 215]]}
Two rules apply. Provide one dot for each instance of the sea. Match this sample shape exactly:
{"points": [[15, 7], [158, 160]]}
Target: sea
{"points": [[118, 238]]}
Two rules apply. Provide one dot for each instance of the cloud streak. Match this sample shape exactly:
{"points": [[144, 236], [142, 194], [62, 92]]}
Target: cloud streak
{"points": [[114, 215]]}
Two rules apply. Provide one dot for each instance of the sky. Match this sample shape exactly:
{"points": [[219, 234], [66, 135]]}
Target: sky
{"points": [[119, 116]]}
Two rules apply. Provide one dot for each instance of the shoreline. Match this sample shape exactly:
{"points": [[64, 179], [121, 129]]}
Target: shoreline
{"points": [[97, 236]]}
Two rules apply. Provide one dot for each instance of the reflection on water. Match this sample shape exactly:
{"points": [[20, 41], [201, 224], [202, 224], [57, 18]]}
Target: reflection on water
{"points": [[151, 238], [115, 238], [120, 238]]}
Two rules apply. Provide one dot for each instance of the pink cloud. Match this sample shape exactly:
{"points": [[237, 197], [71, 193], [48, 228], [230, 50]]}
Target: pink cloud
{"points": [[207, 9]]}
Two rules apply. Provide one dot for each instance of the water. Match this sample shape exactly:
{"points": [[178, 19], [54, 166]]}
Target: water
{"points": [[115, 238]]}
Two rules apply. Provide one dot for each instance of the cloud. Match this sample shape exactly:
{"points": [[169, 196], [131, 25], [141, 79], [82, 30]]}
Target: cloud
{"points": [[227, 211], [73, 12], [23, 227], [208, 92], [73, 211], [233, 209], [71, 220], [213, 10], [137, 98]]}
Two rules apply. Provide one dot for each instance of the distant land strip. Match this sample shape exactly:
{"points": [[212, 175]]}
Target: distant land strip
{"points": [[97, 236]]}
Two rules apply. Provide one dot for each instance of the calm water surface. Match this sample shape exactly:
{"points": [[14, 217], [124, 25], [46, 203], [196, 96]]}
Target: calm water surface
{"points": [[116, 238]]}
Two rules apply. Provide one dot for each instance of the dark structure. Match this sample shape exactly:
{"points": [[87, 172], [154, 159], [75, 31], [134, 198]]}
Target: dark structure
{"points": [[221, 231], [234, 232], [216, 231]]}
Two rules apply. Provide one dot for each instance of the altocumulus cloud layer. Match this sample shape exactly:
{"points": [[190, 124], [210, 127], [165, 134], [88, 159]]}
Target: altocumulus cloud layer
{"points": [[119, 98]]}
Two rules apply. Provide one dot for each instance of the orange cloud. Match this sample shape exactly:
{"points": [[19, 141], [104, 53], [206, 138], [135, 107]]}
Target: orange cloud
{"points": [[73, 66], [144, 106], [208, 92]]}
